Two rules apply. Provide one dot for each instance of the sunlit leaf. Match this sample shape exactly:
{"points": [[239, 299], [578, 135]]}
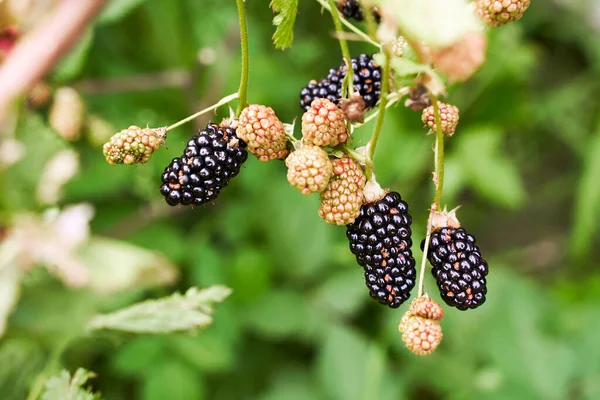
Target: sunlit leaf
{"points": [[170, 314], [284, 21], [67, 387]]}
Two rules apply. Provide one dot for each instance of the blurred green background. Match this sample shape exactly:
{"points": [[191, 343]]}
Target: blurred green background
{"points": [[300, 325]]}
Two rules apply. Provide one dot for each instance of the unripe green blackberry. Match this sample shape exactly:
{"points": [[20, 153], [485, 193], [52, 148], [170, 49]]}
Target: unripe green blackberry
{"points": [[448, 116], [500, 12], [420, 335], [134, 145], [210, 160], [323, 124], [458, 267], [380, 238], [309, 169], [343, 196], [263, 132]]}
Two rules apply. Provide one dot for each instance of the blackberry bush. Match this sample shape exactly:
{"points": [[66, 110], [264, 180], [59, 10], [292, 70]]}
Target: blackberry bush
{"points": [[209, 161], [412, 70], [380, 238]]}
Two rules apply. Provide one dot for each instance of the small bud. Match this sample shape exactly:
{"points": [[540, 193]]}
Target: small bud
{"points": [[354, 108], [67, 113], [418, 98]]}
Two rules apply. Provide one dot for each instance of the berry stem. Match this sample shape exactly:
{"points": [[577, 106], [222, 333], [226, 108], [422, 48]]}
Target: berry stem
{"points": [[439, 151], [348, 25], [221, 102], [385, 88], [243, 90], [439, 185], [349, 79]]}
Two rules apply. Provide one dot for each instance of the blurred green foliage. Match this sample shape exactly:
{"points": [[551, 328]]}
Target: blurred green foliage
{"points": [[300, 325]]}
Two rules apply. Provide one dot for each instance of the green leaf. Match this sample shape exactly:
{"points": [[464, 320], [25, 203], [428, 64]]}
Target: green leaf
{"points": [[284, 21], [65, 387], [172, 379], [347, 285], [489, 170], [279, 314], [350, 367], [171, 314], [117, 9], [402, 66], [587, 211]]}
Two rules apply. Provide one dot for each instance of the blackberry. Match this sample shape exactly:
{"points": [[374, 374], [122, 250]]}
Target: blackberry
{"points": [[367, 81], [458, 267], [210, 159], [380, 238], [352, 9]]}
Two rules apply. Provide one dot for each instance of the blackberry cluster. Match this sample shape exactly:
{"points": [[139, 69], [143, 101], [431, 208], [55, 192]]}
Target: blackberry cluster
{"points": [[367, 80], [210, 159], [458, 268], [352, 9], [380, 240]]}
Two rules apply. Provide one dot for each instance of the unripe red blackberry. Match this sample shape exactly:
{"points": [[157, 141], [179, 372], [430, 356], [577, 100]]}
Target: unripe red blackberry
{"points": [[462, 59], [210, 159], [427, 308], [343, 196], [309, 169], [420, 335], [380, 238], [133, 145], [323, 124], [458, 267], [352, 9], [367, 81], [448, 116], [500, 12], [263, 132]]}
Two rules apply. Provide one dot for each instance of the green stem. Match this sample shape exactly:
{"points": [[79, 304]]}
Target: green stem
{"points": [[351, 27], [243, 90], [385, 88], [439, 152], [221, 102], [344, 46], [439, 185]]}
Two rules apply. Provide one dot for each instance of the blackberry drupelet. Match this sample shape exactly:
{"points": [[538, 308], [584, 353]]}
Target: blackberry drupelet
{"points": [[352, 9], [210, 159], [367, 81], [380, 238], [458, 267]]}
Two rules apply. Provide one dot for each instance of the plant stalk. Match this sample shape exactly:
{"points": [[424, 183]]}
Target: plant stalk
{"points": [[383, 100], [221, 102], [243, 90], [344, 46], [439, 185]]}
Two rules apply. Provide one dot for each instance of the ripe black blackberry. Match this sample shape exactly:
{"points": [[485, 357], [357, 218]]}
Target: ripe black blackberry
{"points": [[367, 80], [210, 159], [380, 238], [458, 267], [352, 9]]}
